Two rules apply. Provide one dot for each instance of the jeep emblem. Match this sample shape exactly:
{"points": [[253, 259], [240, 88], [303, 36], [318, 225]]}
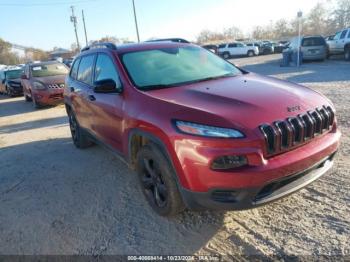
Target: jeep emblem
{"points": [[293, 108]]}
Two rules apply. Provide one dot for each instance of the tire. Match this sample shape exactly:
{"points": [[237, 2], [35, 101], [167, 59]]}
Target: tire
{"points": [[36, 105], [157, 180], [8, 92], [347, 54], [226, 55], [79, 137], [250, 53], [27, 98]]}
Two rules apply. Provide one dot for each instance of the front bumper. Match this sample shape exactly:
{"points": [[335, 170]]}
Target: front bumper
{"points": [[241, 199], [16, 90], [49, 97]]}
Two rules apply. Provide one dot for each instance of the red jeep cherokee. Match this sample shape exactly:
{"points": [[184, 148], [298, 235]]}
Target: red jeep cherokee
{"points": [[43, 83], [200, 132]]}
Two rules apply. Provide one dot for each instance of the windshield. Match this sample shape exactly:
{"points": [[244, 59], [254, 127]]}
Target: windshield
{"points": [[167, 67], [13, 74], [49, 70]]}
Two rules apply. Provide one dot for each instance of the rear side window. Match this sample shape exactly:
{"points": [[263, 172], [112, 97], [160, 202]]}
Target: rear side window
{"points": [[343, 34], [86, 69], [313, 41], [232, 45], [105, 69], [222, 46], [74, 70]]}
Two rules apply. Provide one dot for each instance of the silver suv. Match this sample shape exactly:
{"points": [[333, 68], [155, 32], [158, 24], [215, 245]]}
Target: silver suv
{"points": [[340, 44]]}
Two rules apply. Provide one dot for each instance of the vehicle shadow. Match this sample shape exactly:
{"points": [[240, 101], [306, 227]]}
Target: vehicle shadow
{"points": [[10, 106], [55, 121], [309, 72], [86, 202]]}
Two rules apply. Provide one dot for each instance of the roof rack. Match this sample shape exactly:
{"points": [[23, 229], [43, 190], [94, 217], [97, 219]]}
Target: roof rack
{"points": [[108, 45], [177, 40]]}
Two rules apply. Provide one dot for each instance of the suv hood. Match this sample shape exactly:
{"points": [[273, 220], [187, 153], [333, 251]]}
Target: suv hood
{"points": [[50, 79], [245, 101]]}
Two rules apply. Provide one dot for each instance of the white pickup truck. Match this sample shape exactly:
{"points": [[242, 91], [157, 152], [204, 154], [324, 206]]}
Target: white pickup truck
{"points": [[237, 49], [340, 44]]}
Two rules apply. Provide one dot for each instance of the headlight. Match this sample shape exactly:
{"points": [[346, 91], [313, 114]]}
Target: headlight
{"points": [[38, 86], [208, 131]]}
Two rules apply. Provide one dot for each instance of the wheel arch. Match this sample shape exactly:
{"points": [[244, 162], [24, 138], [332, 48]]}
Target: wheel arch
{"points": [[138, 137]]}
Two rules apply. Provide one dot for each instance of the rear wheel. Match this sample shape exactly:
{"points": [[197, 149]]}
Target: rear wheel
{"points": [[157, 179], [80, 139], [226, 55], [347, 54]]}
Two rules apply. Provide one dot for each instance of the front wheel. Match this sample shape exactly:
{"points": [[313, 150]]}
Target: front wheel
{"points": [[250, 53], [8, 92], [157, 179], [27, 98]]}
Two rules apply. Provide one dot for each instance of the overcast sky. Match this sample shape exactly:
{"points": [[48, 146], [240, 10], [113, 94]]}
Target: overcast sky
{"points": [[45, 24]]}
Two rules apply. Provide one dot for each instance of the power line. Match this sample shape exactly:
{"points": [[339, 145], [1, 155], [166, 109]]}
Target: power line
{"points": [[47, 4]]}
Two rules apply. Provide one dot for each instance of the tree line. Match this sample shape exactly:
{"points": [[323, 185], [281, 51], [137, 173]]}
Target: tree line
{"points": [[319, 21]]}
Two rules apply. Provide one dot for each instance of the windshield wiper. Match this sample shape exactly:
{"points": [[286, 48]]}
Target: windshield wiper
{"points": [[157, 86], [160, 86]]}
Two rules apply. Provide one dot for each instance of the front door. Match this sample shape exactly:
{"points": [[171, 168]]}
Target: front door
{"points": [[107, 108]]}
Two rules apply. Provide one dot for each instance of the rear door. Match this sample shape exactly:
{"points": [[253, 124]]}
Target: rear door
{"points": [[241, 49], [79, 87], [107, 108], [232, 49]]}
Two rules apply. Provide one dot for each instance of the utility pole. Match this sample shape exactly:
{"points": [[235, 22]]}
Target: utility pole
{"points": [[137, 29], [300, 15], [73, 19], [86, 39]]}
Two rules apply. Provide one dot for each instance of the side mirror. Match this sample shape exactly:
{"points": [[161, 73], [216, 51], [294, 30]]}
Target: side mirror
{"points": [[106, 86], [24, 76]]}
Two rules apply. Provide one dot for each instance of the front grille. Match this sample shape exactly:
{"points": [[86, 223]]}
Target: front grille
{"points": [[283, 135], [56, 86], [56, 96]]}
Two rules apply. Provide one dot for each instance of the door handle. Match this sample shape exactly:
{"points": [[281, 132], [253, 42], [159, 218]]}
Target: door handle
{"points": [[92, 97], [72, 89]]}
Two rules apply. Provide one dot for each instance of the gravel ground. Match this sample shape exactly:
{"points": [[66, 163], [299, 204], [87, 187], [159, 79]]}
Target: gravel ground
{"points": [[56, 199]]}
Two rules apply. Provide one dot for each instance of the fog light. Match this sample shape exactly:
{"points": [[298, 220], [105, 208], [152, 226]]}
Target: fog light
{"points": [[229, 162]]}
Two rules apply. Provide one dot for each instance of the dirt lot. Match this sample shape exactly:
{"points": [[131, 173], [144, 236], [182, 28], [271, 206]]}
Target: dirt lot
{"points": [[56, 199]]}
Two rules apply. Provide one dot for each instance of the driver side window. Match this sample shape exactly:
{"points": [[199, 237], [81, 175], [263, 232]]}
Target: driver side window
{"points": [[105, 69]]}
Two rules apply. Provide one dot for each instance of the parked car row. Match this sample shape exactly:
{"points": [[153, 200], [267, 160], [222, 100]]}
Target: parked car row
{"points": [[320, 48], [42, 83], [249, 48]]}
